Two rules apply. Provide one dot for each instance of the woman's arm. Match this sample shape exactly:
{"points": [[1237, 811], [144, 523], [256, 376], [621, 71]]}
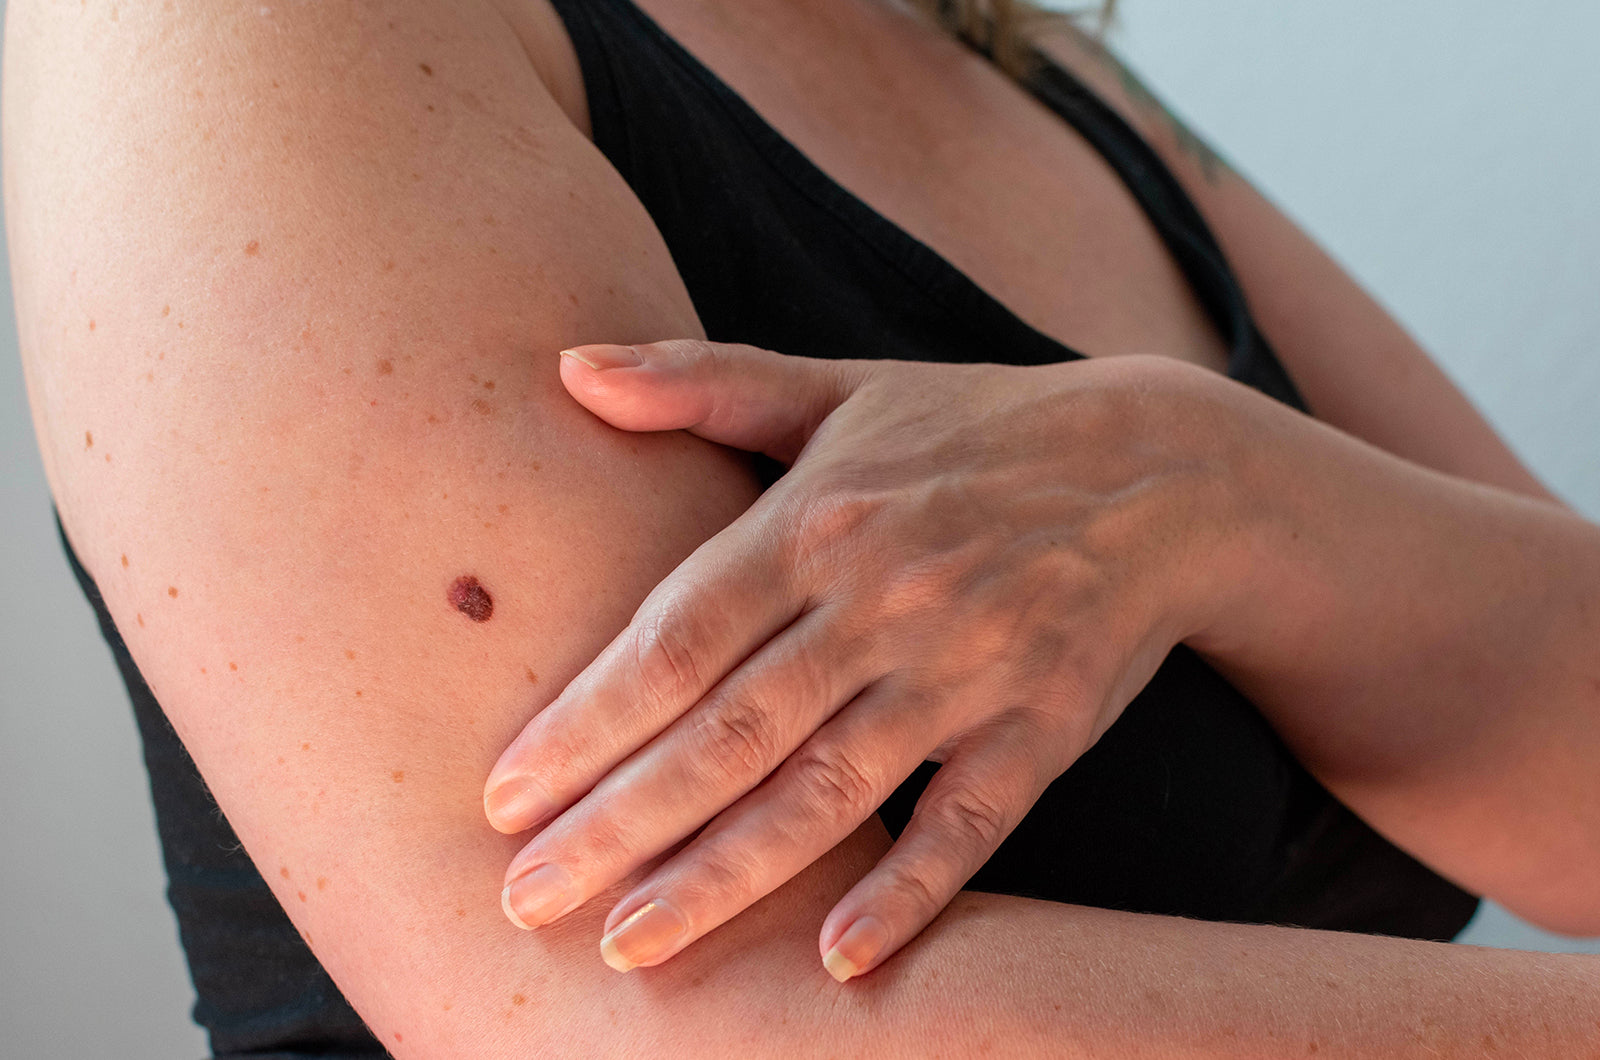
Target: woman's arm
{"points": [[1430, 648], [290, 280]]}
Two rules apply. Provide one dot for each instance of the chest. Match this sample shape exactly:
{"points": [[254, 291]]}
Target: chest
{"points": [[947, 148]]}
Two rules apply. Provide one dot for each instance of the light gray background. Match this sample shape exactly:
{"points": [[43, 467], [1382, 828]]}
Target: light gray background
{"points": [[1447, 152]]}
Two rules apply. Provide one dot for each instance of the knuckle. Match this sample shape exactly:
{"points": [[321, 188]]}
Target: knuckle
{"points": [[664, 655], [722, 880], [604, 842], [904, 881], [973, 818], [738, 739], [834, 788], [826, 522]]}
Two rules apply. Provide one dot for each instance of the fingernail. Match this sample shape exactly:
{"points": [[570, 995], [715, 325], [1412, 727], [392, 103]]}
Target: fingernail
{"points": [[514, 804], [860, 943], [601, 357], [651, 932], [538, 897]]}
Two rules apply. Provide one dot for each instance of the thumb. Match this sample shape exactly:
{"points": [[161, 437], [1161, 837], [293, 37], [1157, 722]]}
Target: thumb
{"points": [[737, 395]]}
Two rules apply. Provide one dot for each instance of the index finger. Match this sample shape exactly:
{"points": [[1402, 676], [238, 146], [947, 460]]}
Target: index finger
{"points": [[729, 597]]}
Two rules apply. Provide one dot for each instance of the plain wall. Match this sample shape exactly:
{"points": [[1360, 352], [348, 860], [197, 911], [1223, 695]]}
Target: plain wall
{"points": [[1448, 153]]}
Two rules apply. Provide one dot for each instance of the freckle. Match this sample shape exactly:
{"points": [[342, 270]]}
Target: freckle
{"points": [[305, 747], [503, 509], [446, 1006], [322, 883], [91, 325], [398, 776], [233, 666], [149, 377], [202, 669], [348, 654], [166, 309], [432, 418], [385, 367], [88, 439], [482, 407], [140, 617], [180, 323], [172, 591], [283, 870], [124, 559], [430, 108], [280, 760], [471, 598], [388, 266], [161, 356], [459, 912], [518, 999], [425, 68], [533, 678], [108, 458], [488, 384], [572, 298], [253, 247], [536, 465], [399, 1037], [274, 84], [299, 638]]}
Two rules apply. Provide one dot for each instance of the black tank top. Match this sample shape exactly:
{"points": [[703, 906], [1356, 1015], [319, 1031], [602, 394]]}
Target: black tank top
{"points": [[1189, 805]]}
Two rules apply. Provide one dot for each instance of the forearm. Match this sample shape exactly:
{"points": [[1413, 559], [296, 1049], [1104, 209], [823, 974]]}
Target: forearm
{"points": [[1430, 647]]}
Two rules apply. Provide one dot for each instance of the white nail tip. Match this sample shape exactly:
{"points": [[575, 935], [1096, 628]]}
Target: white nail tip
{"points": [[839, 966]]}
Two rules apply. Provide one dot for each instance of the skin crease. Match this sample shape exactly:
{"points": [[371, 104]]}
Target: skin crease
{"points": [[306, 507]]}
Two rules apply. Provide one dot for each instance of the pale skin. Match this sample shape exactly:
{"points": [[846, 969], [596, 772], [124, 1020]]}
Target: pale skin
{"points": [[289, 362]]}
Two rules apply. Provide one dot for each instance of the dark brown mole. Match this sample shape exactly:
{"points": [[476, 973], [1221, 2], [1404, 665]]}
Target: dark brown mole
{"points": [[385, 367], [398, 776], [172, 591], [471, 599], [425, 68]]}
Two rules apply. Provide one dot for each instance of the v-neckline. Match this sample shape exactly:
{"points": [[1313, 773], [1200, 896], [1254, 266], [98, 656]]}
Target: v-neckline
{"points": [[920, 263]]}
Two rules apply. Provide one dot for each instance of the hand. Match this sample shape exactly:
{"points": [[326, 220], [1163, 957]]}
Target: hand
{"points": [[974, 564]]}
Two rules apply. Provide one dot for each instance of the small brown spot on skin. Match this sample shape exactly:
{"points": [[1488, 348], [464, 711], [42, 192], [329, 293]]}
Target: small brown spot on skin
{"points": [[252, 248], [108, 458], [308, 939], [432, 418], [283, 870], [88, 439], [471, 598], [385, 367], [280, 760], [482, 407], [202, 669], [572, 298], [322, 883], [399, 1037], [166, 310], [299, 638], [535, 465], [388, 266], [425, 68], [172, 591], [488, 384], [518, 999], [348, 654], [503, 509], [533, 678], [358, 693], [459, 913], [446, 1006], [91, 325], [233, 666], [140, 617], [305, 747], [398, 776], [124, 559]]}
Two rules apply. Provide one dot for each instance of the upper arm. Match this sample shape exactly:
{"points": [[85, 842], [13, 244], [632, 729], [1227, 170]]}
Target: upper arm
{"points": [[290, 282], [1358, 369]]}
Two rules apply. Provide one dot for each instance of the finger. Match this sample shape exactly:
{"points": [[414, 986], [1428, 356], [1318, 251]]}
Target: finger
{"points": [[974, 801], [743, 396], [821, 794], [720, 604], [721, 749]]}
